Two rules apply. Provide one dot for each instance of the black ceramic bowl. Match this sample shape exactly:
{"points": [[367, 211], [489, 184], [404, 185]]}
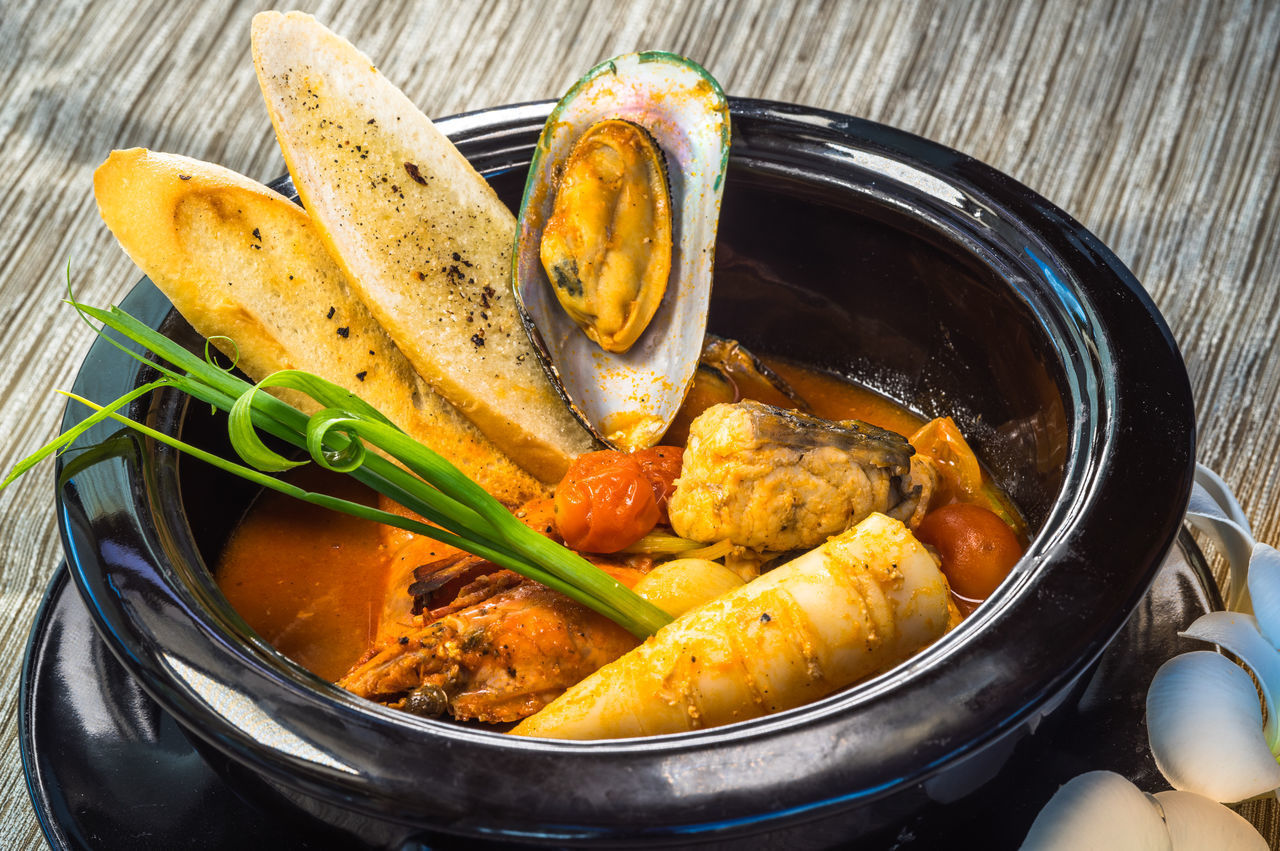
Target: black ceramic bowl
{"points": [[854, 247]]}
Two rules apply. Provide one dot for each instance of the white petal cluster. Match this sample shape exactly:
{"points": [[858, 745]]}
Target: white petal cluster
{"points": [[1205, 722], [1205, 727], [1103, 811]]}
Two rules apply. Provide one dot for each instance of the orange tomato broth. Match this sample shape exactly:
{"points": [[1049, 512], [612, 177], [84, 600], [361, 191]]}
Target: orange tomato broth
{"points": [[834, 398], [310, 581], [313, 583]]}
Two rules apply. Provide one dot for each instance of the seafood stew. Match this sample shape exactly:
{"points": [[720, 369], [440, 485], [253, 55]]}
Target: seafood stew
{"points": [[1038, 312], [142, 533], [323, 589], [832, 401], [491, 609], [743, 463]]}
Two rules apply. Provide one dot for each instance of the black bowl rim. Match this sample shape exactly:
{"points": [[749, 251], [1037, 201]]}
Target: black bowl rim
{"points": [[1077, 589]]}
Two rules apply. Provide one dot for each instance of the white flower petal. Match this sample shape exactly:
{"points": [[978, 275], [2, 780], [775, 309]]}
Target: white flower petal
{"points": [[1195, 823], [1213, 510], [1264, 588], [1205, 728], [1239, 634], [1222, 494], [1099, 810]]}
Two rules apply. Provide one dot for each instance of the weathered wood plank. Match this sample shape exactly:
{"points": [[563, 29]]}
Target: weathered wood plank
{"points": [[1155, 124]]}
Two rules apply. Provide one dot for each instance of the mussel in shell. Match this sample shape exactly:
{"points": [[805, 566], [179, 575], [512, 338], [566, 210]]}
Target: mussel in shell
{"points": [[626, 395]]}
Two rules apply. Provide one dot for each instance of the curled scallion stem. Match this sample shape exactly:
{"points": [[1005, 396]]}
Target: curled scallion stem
{"points": [[711, 552], [664, 544], [459, 512]]}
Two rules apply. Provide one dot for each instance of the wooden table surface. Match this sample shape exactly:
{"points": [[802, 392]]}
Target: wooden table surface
{"points": [[1157, 125]]}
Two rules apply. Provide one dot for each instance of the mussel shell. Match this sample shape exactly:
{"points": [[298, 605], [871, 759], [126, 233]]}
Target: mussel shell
{"points": [[628, 399]]}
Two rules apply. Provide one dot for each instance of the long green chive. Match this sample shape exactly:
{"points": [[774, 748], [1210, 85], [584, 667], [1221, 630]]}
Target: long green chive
{"points": [[459, 512]]}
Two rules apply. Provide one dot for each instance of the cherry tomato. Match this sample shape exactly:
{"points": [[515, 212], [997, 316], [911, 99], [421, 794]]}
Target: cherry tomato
{"points": [[661, 466], [978, 549], [605, 502]]}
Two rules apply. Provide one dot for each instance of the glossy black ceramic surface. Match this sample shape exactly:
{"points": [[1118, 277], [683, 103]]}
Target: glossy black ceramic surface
{"points": [[847, 244], [108, 768]]}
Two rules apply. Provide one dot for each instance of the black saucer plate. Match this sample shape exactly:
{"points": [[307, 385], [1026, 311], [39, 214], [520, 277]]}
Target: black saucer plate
{"points": [[108, 769], [105, 766]]}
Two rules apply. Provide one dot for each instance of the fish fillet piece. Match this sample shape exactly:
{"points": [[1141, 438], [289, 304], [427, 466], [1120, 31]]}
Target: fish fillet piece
{"points": [[773, 479], [423, 238], [241, 261]]}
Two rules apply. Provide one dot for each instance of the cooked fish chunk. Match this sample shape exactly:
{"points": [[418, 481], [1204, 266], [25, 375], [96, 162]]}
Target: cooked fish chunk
{"points": [[777, 480]]}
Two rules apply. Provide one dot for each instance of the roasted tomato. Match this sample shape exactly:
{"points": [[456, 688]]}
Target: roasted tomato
{"points": [[661, 466], [978, 549], [605, 502]]}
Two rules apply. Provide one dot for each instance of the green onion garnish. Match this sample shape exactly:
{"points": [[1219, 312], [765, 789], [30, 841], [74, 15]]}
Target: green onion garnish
{"points": [[460, 512]]}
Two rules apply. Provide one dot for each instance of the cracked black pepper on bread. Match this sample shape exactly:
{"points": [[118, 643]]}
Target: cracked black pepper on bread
{"points": [[424, 240], [243, 262]]}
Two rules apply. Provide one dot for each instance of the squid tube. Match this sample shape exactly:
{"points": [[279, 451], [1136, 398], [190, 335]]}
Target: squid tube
{"points": [[858, 604]]}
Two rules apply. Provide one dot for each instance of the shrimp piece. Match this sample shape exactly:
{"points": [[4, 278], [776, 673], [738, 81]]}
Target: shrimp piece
{"points": [[459, 636], [497, 661], [413, 555], [853, 607]]}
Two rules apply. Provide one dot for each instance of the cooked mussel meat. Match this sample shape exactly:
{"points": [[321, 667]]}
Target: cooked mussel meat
{"points": [[607, 245]]}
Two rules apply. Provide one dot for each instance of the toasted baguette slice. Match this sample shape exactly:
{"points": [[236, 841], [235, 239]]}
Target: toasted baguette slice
{"points": [[241, 261], [424, 240]]}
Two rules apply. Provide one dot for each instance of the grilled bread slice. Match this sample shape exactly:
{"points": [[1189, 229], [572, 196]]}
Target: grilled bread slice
{"points": [[241, 261], [423, 239]]}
